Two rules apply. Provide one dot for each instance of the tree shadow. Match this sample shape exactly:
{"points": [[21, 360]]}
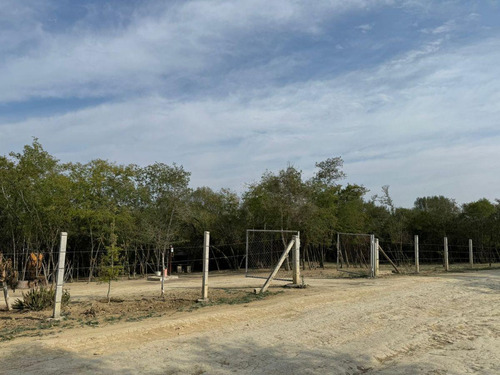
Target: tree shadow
{"points": [[206, 356], [42, 360], [482, 281]]}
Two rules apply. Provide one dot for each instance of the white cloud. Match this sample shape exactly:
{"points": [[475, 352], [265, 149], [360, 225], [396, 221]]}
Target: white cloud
{"points": [[157, 47], [424, 125], [419, 122], [365, 28]]}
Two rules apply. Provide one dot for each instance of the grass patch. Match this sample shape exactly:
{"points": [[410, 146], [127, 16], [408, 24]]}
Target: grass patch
{"points": [[141, 317]]}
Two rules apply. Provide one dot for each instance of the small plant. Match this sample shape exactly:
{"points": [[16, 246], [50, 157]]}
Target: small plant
{"points": [[110, 268], [40, 299], [303, 284]]}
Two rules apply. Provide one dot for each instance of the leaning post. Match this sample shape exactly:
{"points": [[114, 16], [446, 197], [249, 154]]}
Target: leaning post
{"points": [[206, 248], [296, 260], [417, 259], [446, 260], [60, 276], [471, 254]]}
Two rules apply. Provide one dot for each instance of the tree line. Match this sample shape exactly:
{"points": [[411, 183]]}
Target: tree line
{"points": [[143, 210]]}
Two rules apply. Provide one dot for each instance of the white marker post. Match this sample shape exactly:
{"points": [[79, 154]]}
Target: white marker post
{"points": [[206, 249], [296, 261], [60, 276], [471, 254], [446, 262], [417, 259]]}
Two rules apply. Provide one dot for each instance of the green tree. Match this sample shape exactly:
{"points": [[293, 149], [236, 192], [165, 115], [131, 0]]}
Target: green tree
{"points": [[110, 267], [164, 194]]}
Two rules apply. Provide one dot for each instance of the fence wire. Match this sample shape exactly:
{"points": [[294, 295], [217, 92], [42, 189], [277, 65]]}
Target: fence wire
{"points": [[264, 249]]}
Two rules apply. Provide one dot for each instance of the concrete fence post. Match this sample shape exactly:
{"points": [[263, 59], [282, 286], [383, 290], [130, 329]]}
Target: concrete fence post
{"points": [[372, 255], [471, 254], [377, 258], [417, 259], [296, 261], [206, 249], [60, 276], [446, 260]]}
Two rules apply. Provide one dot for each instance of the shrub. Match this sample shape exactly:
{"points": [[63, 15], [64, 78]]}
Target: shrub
{"points": [[40, 299]]}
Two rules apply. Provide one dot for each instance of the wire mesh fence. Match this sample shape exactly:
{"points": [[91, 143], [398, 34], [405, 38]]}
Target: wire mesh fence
{"points": [[397, 257], [254, 257], [264, 248], [354, 253]]}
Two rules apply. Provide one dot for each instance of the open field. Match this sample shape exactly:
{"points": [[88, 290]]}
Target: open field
{"points": [[434, 324]]}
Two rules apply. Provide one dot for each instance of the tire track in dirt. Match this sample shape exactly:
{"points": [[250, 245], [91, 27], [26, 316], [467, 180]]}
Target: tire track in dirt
{"points": [[389, 325]]}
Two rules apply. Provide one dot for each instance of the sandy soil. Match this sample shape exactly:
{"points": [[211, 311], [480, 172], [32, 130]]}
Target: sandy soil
{"points": [[440, 324]]}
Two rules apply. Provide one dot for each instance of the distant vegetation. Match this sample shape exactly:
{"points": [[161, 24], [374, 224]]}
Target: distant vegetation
{"points": [[141, 211]]}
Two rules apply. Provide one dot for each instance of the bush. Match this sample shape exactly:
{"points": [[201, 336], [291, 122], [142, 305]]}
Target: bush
{"points": [[40, 299]]}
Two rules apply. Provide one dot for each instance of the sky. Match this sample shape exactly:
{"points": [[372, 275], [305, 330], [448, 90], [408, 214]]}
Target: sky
{"points": [[406, 92]]}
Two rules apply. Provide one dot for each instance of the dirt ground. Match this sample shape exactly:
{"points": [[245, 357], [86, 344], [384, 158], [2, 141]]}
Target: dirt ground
{"points": [[432, 324]]}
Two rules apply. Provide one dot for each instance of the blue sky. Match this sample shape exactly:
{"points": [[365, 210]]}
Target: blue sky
{"points": [[407, 92]]}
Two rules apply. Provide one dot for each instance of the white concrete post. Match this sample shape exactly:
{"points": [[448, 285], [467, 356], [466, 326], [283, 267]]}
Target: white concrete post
{"points": [[206, 249], [417, 259], [377, 257], [296, 260], [471, 254], [60, 276], [446, 262]]}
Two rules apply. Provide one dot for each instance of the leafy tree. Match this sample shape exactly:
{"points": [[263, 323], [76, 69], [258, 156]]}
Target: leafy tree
{"points": [[434, 218], [220, 213], [163, 192]]}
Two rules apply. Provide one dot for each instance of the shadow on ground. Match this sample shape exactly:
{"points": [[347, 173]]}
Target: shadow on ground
{"points": [[205, 357]]}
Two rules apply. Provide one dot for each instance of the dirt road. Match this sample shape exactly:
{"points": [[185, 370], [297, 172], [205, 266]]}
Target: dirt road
{"points": [[444, 324]]}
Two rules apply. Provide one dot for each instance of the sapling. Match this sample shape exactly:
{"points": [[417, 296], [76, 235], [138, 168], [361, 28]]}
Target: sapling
{"points": [[111, 267]]}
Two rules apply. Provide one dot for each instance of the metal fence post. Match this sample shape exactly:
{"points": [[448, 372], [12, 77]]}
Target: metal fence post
{"points": [[446, 261], [246, 257], [60, 276], [338, 250], [471, 254], [163, 273], [417, 259], [372, 255]]}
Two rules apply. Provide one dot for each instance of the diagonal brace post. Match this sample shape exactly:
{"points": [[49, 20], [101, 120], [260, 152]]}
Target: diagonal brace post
{"points": [[278, 266]]}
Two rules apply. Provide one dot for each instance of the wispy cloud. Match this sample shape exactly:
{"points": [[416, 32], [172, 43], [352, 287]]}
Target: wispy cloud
{"points": [[164, 45], [364, 28], [229, 89]]}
